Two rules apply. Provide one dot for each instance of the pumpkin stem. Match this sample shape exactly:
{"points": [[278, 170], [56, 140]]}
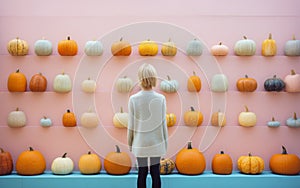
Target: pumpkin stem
{"points": [[295, 116], [45, 117], [294, 37], [69, 38], [270, 36], [273, 119], [68, 111], [246, 76], [64, 155], [121, 109], [192, 108], [245, 37], [169, 78], [284, 150], [190, 145], [18, 70], [1, 150], [170, 39], [220, 43], [221, 152], [121, 38], [293, 72], [17, 109], [246, 108], [118, 149], [249, 154], [194, 73], [89, 152], [274, 76], [30, 148]]}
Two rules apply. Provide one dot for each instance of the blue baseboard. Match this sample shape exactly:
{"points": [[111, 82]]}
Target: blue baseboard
{"points": [[175, 180]]}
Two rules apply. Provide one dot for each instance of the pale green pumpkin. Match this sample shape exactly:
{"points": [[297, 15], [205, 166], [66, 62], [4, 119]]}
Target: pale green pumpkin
{"points": [[219, 83], [169, 85], [292, 47], [93, 48], [43, 47], [194, 48], [45, 122], [62, 83], [293, 121], [245, 47]]}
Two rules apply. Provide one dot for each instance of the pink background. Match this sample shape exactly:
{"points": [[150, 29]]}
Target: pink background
{"points": [[211, 21]]}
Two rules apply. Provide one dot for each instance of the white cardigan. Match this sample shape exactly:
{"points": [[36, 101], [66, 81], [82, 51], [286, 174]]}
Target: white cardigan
{"points": [[147, 130]]}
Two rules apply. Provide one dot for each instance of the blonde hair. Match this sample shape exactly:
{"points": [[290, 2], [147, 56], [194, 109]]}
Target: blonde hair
{"points": [[147, 76]]}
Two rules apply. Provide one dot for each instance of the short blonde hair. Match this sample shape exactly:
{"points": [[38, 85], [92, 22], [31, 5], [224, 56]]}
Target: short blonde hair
{"points": [[147, 76]]}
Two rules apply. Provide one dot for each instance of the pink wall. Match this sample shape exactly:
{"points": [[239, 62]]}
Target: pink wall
{"points": [[211, 21]]}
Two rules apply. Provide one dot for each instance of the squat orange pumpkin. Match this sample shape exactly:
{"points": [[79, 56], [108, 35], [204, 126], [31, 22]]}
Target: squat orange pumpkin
{"points": [[246, 84], [17, 82], [117, 163], [67, 47]]}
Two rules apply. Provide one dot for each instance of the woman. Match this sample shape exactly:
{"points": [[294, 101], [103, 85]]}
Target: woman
{"points": [[147, 130]]}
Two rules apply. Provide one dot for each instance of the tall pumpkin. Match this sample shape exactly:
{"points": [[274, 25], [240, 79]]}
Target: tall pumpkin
{"points": [[193, 118], [69, 119], [117, 163], [269, 47], [194, 83], [67, 47], [17, 47], [62, 83], [17, 82], [38, 83], [6, 162]]}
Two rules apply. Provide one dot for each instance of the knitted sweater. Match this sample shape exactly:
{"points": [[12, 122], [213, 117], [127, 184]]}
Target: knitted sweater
{"points": [[147, 130]]}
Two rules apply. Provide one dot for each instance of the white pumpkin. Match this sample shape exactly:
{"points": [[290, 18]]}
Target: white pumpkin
{"points": [[120, 119], [93, 48], [16, 119], [245, 47], [169, 85], [292, 47], [45, 122], [89, 119], [43, 47], [219, 83], [194, 48], [219, 49], [124, 85], [62, 83], [247, 119], [62, 165], [88, 85]]}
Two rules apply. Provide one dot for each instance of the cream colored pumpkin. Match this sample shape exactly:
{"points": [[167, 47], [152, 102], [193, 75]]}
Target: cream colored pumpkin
{"points": [[245, 47], [219, 50], [88, 85], [247, 119], [17, 47], [218, 119], [124, 85], [16, 119], [62, 165], [89, 119], [120, 119], [62, 83], [93, 48]]}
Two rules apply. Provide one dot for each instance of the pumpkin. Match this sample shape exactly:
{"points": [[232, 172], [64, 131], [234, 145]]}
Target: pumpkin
{"points": [[69, 119], [124, 84], [121, 48], [245, 47], [169, 85], [43, 47], [62, 165], [274, 84], [194, 83], [67, 47], [246, 84], [16, 119], [117, 163], [222, 164], [45, 122], [30, 162], [292, 82], [269, 47], [120, 119], [168, 48], [219, 83], [89, 119], [17, 82], [247, 119], [62, 83], [190, 161], [38, 83], [170, 119], [88, 85], [17, 47], [292, 47], [273, 123], [6, 162], [89, 163], [194, 48], [148, 48], [93, 48], [250, 164], [285, 163], [219, 50], [293, 121], [218, 119], [193, 118], [166, 166]]}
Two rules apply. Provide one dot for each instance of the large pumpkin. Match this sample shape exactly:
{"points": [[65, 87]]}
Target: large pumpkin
{"points": [[292, 82], [67, 47], [274, 84], [168, 48], [69, 119], [169, 85], [219, 83], [17, 82], [62, 83], [247, 118], [222, 164], [43, 47], [89, 163], [269, 47], [121, 48], [166, 166], [38, 83], [292, 47], [190, 161], [194, 83], [250, 164], [62, 165], [193, 118], [194, 48], [117, 163], [30, 162], [6, 162], [246, 84], [245, 47], [16, 118], [284, 163], [17, 47], [93, 48], [148, 48]]}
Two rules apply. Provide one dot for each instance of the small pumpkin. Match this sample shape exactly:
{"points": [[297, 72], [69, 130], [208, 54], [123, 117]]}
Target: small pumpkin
{"points": [[17, 47], [121, 48], [89, 85], [16, 119], [93, 48], [166, 166], [62, 165], [293, 121], [274, 84], [246, 84], [250, 164], [292, 47], [67, 47], [89, 163], [117, 163], [169, 85], [273, 123], [193, 118], [6, 162], [269, 47], [17, 82], [219, 49], [62, 83], [89, 119], [38, 83], [43, 47], [169, 48], [194, 83], [218, 119], [190, 161], [30, 162], [285, 163], [45, 122], [194, 48], [171, 119], [124, 84], [245, 47], [219, 83], [120, 119], [292, 82], [222, 164], [247, 118], [69, 119], [148, 48]]}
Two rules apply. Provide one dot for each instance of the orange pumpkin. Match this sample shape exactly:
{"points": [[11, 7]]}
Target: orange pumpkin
{"points": [[67, 47], [251, 164], [193, 118], [30, 162], [89, 163], [6, 162], [194, 83], [190, 161], [38, 83], [121, 48], [246, 84], [222, 164], [269, 47], [284, 163], [69, 119], [117, 163], [17, 82], [148, 48]]}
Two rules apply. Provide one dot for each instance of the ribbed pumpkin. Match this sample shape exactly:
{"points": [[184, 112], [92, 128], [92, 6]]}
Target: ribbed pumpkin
{"points": [[62, 83], [148, 48], [117, 163], [43, 47], [169, 85], [6, 162], [169, 48], [194, 48], [16, 119], [292, 82], [274, 84], [69, 119], [250, 164], [17, 82], [193, 118], [246, 84], [219, 50], [273, 123], [89, 163], [38, 83], [93, 48], [190, 161], [269, 47], [245, 47], [194, 83], [62, 165], [292, 47], [171, 119], [166, 166], [124, 84], [121, 48], [247, 118], [67, 47], [222, 164], [17, 47]]}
